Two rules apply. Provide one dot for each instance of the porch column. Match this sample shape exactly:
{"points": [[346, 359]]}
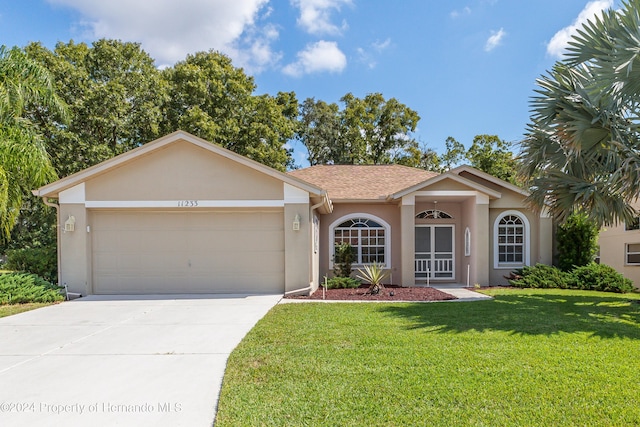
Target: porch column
{"points": [[482, 246], [545, 252], [407, 240]]}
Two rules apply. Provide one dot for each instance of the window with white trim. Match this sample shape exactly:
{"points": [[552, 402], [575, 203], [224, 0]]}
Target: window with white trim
{"points": [[467, 242], [511, 240], [632, 253], [434, 214], [367, 235]]}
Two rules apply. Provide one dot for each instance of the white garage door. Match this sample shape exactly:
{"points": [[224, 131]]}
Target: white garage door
{"points": [[145, 252]]}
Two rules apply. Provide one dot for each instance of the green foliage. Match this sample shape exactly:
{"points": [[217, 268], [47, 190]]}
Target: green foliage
{"points": [[342, 283], [454, 155], [373, 274], [487, 153], [40, 261], [214, 100], [115, 96], [19, 288], [24, 162], [493, 155], [596, 277], [369, 130], [600, 277], [581, 149], [577, 241], [540, 276], [344, 256]]}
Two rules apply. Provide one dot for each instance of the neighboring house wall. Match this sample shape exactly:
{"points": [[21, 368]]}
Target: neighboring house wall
{"points": [[620, 248]]}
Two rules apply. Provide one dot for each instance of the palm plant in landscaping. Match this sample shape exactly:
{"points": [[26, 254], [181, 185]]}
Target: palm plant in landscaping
{"points": [[373, 274]]}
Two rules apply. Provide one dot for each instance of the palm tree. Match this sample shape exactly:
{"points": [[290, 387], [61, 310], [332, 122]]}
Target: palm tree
{"points": [[581, 151], [24, 162]]}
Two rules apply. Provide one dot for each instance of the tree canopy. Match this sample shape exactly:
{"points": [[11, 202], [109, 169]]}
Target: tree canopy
{"points": [[214, 100], [369, 130], [581, 151]]}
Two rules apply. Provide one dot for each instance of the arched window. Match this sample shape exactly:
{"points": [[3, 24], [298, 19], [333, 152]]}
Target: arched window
{"points": [[511, 240], [433, 214], [368, 235]]}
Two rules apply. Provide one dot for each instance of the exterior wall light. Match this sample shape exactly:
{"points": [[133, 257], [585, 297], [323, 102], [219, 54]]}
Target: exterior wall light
{"points": [[296, 223], [70, 224]]}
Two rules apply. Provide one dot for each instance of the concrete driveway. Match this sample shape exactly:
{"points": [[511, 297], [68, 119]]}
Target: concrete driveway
{"points": [[122, 360]]}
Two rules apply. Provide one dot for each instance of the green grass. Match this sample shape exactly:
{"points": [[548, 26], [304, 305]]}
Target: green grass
{"points": [[527, 358], [8, 310]]}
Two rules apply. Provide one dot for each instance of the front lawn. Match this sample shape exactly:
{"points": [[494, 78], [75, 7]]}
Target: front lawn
{"points": [[529, 357], [8, 310]]}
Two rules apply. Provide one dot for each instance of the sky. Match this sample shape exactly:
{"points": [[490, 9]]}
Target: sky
{"points": [[468, 67]]}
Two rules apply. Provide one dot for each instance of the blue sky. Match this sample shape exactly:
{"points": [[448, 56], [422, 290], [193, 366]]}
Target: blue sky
{"points": [[468, 67]]}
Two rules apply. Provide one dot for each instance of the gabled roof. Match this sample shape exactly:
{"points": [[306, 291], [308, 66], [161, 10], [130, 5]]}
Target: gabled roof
{"points": [[52, 190], [448, 175], [487, 177], [362, 182]]}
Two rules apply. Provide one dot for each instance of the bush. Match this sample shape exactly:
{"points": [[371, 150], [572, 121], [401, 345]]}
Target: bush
{"points": [[19, 288], [342, 283], [595, 277], [577, 242], [40, 261], [600, 277], [344, 256], [540, 276]]}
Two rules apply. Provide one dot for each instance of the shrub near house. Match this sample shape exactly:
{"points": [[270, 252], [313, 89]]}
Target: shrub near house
{"points": [[595, 277], [19, 288]]}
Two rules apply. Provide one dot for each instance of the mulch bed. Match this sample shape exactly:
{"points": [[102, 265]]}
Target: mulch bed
{"points": [[389, 293]]}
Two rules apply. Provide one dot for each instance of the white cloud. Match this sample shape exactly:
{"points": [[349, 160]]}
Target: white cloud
{"points": [[367, 58], [170, 29], [322, 56], [559, 42], [380, 46], [315, 15], [495, 40], [458, 13]]}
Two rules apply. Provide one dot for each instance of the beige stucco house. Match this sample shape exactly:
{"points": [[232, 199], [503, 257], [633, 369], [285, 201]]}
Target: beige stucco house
{"points": [[182, 215], [620, 248]]}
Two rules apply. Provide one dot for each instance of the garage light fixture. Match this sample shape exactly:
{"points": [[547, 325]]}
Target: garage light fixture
{"points": [[70, 224], [296, 223]]}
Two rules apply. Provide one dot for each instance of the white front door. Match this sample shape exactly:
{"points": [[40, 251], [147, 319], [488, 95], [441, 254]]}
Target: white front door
{"points": [[434, 252]]}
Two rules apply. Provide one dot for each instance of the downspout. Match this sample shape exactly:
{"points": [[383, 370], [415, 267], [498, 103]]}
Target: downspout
{"points": [[57, 208], [308, 288]]}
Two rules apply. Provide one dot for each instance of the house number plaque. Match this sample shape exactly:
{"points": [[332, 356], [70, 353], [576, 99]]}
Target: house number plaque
{"points": [[187, 203]]}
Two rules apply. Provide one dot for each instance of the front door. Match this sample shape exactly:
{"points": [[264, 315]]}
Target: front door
{"points": [[434, 251]]}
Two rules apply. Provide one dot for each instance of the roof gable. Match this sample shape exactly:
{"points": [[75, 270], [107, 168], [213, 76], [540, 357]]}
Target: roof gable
{"points": [[53, 189], [442, 179], [486, 179]]}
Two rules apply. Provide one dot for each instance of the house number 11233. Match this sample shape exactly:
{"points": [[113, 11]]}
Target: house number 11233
{"points": [[187, 203]]}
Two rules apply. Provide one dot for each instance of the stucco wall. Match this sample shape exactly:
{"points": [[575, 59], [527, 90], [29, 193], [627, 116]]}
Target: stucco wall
{"points": [[183, 171], [390, 213], [613, 242]]}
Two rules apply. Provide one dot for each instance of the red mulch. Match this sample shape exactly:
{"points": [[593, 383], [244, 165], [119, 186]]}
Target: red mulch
{"points": [[399, 294]]}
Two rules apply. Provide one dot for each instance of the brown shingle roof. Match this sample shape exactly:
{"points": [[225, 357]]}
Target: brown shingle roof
{"points": [[362, 182]]}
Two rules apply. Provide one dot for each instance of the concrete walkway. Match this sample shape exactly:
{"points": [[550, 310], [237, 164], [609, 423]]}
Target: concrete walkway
{"points": [[463, 294], [122, 360]]}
